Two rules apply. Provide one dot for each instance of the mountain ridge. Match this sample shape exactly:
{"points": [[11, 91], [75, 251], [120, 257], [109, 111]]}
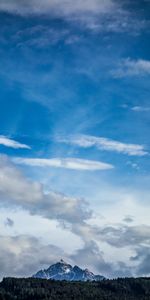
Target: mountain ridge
{"points": [[64, 271]]}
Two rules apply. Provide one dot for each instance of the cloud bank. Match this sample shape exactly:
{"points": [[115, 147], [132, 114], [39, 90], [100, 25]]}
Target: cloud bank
{"points": [[17, 253]]}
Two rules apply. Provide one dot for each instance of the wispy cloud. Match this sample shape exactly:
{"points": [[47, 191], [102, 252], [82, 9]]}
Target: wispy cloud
{"points": [[66, 163], [39, 36], [95, 15], [55, 6], [7, 142], [140, 108], [129, 67], [101, 143]]}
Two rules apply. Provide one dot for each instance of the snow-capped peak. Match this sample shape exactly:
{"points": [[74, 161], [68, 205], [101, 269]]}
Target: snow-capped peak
{"points": [[64, 271]]}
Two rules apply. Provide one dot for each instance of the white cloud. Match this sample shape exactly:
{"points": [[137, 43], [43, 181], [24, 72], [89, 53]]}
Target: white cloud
{"points": [[66, 163], [18, 191], [129, 67], [124, 236], [101, 143], [7, 142], [23, 255]]}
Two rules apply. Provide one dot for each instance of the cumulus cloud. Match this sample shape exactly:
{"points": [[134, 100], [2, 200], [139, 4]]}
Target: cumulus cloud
{"points": [[91, 253], [142, 257], [17, 190], [24, 255], [136, 238], [125, 236], [101, 143], [94, 256], [116, 235], [13, 185], [66, 163], [129, 68], [7, 142]]}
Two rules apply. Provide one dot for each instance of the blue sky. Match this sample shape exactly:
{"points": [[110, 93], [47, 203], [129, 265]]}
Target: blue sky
{"points": [[74, 135]]}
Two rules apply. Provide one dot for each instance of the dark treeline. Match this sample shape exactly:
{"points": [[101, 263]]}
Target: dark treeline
{"points": [[39, 289]]}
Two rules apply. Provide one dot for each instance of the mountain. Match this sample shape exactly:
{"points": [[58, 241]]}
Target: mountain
{"points": [[64, 271]]}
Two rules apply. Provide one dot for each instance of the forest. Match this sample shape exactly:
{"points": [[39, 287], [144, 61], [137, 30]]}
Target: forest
{"points": [[41, 289]]}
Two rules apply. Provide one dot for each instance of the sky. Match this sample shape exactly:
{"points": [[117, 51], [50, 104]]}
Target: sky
{"points": [[74, 136]]}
